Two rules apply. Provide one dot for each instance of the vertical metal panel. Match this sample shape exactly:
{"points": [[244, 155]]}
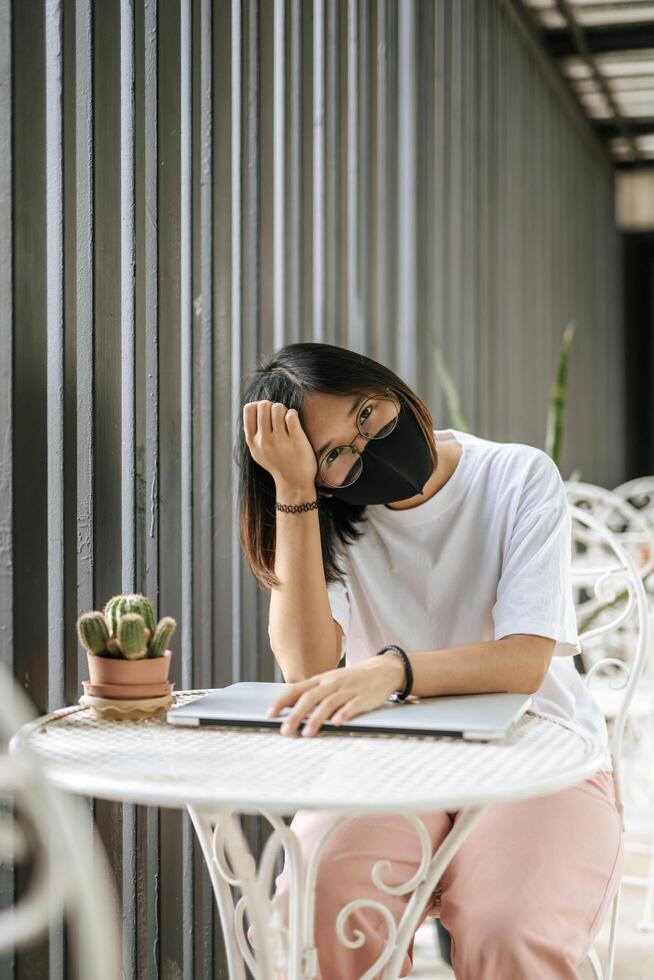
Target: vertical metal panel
{"points": [[295, 171], [7, 889], [186, 425], [381, 243], [6, 340], [485, 228], [55, 381], [500, 377], [148, 453], [107, 502], [392, 163], [128, 421], [469, 212], [174, 863], [319, 170], [514, 245], [186, 347], [425, 179], [206, 333], [84, 311], [364, 243], [279, 173], [251, 635], [28, 439], [354, 326], [204, 489], [437, 216], [407, 358], [332, 175], [128, 529], [83, 318], [222, 412], [538, 304], [55, 341], [265, 176], [236, 331]]}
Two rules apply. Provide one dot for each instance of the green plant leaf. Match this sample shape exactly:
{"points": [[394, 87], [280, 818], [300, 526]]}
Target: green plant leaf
{"points": [[558, 398], [451, 394]]}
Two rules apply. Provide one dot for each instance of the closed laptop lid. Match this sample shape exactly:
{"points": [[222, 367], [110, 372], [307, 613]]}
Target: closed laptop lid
{"points": [[482, 716]]}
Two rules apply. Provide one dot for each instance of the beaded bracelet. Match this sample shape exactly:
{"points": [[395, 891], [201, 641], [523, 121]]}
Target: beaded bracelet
{"points": [[294, 508], [408, 671]]}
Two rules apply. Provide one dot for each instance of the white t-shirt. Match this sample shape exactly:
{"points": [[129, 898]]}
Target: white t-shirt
{"points": [[488, 555]]}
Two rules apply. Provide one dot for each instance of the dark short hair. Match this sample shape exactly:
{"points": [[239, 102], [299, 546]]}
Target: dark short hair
{"points": [[288, 376]]}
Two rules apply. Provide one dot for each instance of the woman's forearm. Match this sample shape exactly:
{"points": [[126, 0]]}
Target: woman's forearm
{"points": [[515, 664], [302, 633]]}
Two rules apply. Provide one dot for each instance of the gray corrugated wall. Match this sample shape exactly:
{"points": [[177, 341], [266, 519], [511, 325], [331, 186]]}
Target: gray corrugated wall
{"points": [[195, 183]]}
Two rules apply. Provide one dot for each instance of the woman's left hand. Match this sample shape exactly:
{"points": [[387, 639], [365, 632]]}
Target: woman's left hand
{"points": [[339, 694]]}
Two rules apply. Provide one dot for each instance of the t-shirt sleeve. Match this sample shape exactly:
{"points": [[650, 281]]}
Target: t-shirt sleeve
{"points": [[534, 594], [340, 605]]}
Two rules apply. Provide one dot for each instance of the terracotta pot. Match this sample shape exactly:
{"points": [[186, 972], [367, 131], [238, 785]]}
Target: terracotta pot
{"points": [[121, 692], [115, 671]]}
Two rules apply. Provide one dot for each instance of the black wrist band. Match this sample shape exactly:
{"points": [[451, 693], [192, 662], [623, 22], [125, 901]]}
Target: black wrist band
{"points": [[296, 508], [408, 672]]}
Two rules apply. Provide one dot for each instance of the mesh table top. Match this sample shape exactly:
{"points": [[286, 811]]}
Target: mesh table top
{"points": [[246, 769]]}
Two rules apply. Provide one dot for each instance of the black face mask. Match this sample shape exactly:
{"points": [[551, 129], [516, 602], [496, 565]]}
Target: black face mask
{"points": [[394, 468]]}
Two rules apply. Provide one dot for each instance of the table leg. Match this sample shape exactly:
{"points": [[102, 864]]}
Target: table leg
{"points": [[287, 952], [428, 878]]}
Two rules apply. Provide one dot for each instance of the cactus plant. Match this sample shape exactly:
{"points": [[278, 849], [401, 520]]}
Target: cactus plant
{"points": [[128, 660], [118, 605], [126, 630], [131, 636], [162, 634], [93, 632]]}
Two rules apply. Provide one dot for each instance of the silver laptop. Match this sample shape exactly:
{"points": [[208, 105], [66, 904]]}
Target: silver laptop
{"points": [[471, 716]]}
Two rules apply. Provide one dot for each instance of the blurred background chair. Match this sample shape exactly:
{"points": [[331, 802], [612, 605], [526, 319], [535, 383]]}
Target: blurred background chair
{"points": [[66, 866], [609, 587]]}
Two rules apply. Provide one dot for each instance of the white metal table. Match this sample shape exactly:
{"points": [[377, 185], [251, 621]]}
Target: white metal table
{"points": [[219, 772]]}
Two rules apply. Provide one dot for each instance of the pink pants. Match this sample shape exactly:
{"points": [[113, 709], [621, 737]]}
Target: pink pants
{"points": [[523, 897]]}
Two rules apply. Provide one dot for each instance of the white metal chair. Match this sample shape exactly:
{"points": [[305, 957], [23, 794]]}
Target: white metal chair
{"points": [[640, 494], [635, 533], [628, 511], [611, 573], [70, 872]]}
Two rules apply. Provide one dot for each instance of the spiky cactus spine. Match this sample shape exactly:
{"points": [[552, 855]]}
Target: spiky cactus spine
{"points": [[131, 636], [162, 634], [93, 632], [135, 602]]}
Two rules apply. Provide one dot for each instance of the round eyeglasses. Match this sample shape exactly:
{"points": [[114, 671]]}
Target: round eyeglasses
{"points": [[376, 419]]}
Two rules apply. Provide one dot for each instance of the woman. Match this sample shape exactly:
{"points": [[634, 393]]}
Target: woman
{"points": [[369, 527]]}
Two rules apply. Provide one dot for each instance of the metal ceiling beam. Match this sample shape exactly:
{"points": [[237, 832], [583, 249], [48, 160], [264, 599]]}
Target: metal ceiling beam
{"points": [[578, 36], [600, 40], [533, 35], [645, 164], [639, 127]]}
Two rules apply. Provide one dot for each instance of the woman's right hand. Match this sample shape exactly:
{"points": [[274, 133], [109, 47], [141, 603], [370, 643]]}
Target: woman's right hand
{"points": [[278, 442]]}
